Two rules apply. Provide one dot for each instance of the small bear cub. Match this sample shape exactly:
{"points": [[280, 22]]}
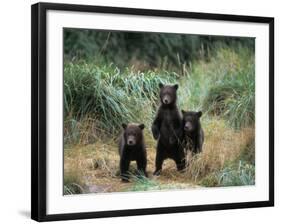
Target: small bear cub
{"points": [[193, 132], [132, 148], [167, 129]]}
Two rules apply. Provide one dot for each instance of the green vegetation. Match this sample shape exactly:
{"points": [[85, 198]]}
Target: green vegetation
{"points": [[144, 51], [146, 184], [104, 93], [111, 78], [237, 172]]}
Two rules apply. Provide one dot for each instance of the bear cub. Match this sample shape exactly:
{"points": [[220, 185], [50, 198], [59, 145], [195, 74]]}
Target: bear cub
{"points": [[193, 132], [132, 148], [167, 129]]}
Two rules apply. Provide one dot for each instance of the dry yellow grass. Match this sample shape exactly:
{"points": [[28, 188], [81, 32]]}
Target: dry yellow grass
{"points": [[95, 167], [221, 145]]}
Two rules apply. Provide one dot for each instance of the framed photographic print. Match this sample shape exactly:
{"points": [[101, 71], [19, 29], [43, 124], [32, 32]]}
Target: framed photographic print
{"points": [[139, 111]]}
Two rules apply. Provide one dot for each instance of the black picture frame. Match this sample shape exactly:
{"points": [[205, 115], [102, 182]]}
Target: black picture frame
{"points": [[38, 110]]}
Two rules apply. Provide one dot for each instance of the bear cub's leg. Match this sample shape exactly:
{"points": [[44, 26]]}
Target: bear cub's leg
{"points": [[180, 159], [124, 168], [141, 165], [158, 161]]}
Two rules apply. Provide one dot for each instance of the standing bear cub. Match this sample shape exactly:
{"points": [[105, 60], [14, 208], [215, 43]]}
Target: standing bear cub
{"points": [[167, 129], [193, 132], [132, 148]]}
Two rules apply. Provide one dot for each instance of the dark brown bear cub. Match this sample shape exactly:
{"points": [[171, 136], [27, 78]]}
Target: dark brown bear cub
{"points": [[132, 148], [167, 129], [193, 132]]}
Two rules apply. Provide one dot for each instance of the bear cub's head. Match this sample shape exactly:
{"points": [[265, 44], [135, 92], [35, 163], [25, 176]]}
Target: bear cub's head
{"points": [[168, 94], [133, 133], [191, 121]]}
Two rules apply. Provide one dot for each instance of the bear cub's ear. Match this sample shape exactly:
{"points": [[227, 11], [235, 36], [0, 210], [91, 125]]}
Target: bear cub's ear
{"points": [[161, 85], [124, 126], [141, 126], [183, 111], [199, 113], [176, 86]]}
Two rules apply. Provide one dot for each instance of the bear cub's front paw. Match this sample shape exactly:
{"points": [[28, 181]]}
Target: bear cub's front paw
{"points": [[157, 173]]}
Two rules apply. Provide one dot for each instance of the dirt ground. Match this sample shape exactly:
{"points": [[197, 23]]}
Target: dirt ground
{"points": [[99, 172], [95, 167]]}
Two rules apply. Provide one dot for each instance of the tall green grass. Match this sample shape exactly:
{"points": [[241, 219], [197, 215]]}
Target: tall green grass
{"points": [[244, 174], [236, 174], [223, 86], [98, 98], [109, 97]]}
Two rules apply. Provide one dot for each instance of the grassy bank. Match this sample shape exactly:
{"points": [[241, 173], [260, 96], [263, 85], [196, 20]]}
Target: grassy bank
{"points": [[97, 99]]}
